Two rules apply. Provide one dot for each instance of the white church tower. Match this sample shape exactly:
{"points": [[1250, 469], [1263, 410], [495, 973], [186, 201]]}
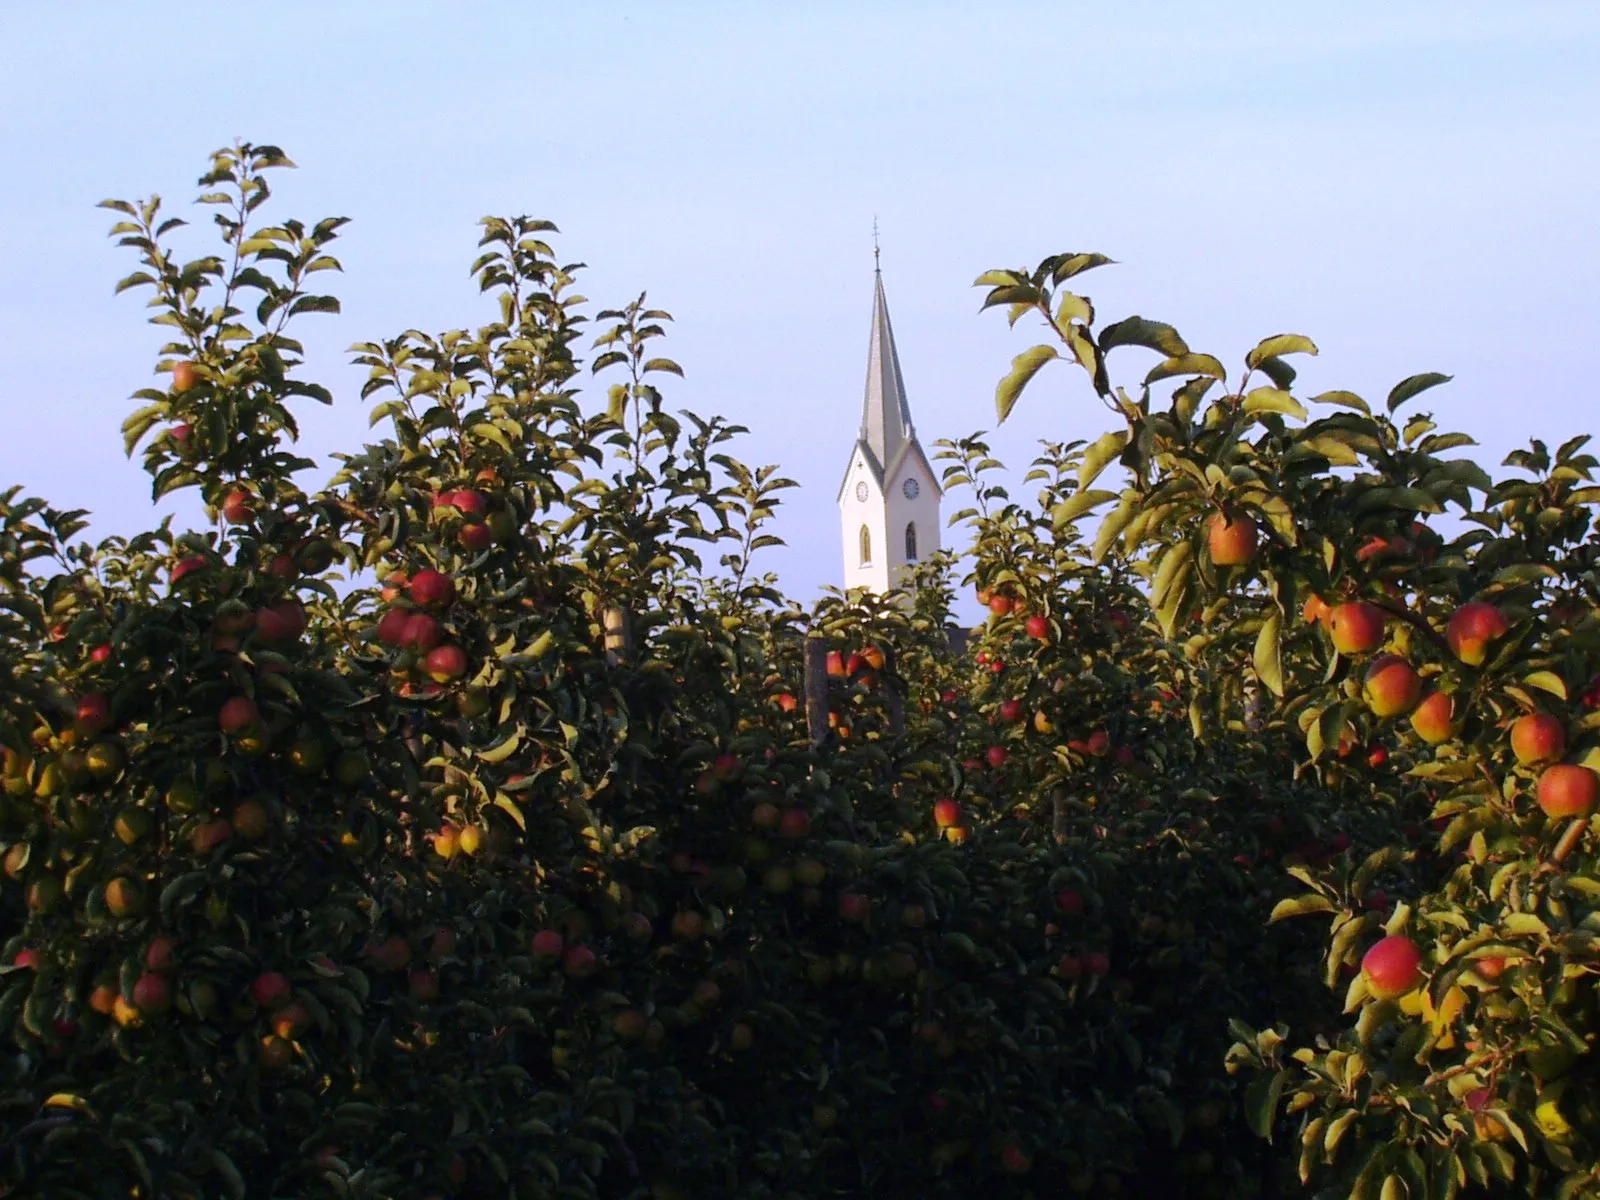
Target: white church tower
{"points": [[889, 500]]}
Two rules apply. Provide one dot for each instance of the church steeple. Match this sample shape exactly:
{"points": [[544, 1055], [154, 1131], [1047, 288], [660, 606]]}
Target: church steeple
{"points": [[889, 498], [885, 413]]}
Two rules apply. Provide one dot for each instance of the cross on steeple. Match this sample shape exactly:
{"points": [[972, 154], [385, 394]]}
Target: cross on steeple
{"points": [[875, 266]]}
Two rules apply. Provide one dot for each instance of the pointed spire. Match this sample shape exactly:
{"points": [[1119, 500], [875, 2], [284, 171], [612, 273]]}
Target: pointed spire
{"points": [[885, 415]]}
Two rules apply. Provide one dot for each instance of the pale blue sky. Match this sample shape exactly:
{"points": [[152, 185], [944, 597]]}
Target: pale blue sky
{"points": [[1414, 185]]}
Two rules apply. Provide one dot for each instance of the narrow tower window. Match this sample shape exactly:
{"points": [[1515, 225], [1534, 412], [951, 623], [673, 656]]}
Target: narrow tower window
{"points": [[866, 546], [911, 542]]}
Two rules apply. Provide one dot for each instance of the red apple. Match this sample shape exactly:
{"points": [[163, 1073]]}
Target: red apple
{"points": [[548, 943], [946, 812], [1434, 718], [392, 626], [996, 756], [238, 714], [161, 954], [94, 713], [854, 908], [1070, 902], [236, 507], [280, 622], [152, 994], [421, 633], [1471, 628], [1038, 627], [1010, 711], [1356, 628], [184, 375], [1392, 967], [1568, 790], [1538, 737], [579, 962], [795, 823], [270, 989], [1392, 686], [432, 589], [1231, 543], [445, 663]]}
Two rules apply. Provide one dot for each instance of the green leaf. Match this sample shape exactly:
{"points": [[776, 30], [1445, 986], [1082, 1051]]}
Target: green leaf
{"points": [[1104, 448], [1075, 264], [1300, 906], [1275, 400], [1186, 364], [1076, 505], [1023, 368], [662, 364], [1343, 400], [1136, 331], [1279, 344], [1261, 1102], [1547, 681], [1416, 384], [1268, 654]]}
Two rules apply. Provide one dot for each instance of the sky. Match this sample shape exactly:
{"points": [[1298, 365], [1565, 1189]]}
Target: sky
{"points": [[1413, 185]]}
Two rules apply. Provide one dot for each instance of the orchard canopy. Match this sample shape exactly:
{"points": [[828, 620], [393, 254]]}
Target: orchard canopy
{"points": [[484, 824]]}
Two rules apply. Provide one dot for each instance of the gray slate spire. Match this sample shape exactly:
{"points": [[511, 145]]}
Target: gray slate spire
{"points": [[885, 415]]}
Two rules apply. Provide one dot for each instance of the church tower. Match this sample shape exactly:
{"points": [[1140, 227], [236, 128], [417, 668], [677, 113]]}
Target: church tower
{"points": [[889, 500]]}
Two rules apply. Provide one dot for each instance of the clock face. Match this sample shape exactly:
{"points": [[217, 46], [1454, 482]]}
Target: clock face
{"points": [[911, 489], [861, 491]]}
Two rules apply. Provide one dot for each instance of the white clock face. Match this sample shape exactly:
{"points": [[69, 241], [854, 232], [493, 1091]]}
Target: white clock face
{"points": [[911, 489], [861, 491]]}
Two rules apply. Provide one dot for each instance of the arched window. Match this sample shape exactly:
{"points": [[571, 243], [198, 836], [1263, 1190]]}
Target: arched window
{"points": [[911, 542], [866, 546]]}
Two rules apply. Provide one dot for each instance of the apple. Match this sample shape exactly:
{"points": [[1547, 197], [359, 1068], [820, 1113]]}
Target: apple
{"points": [[795, 823], [236, 507], [836, 664], [469, 503], [475, 538], [874, 657], [1070, 902], [1098, 743], [1377, 756], [1231, 543], [152, 994], [786, 702], [946, 812], [996, 756], [423, 985], [470, 839], [1434, 718], [187, 566], [579, 962], [1568, 790], [1490, 966], [392, 625], [1000, 605], [1097, 962], [854, 908], [1356, 627], [446, 842], [688, 925], [1011, 711], [741, 1037], [27, 959], [238, 714], [280, 622], [422, 632], [727, 767], [432, 589], [1014, 1160], [1392, 967], [291, 1020], [93, 714], [270, 989], [161, 954], [445, 663], [1471, 628], [1392, 686], [854, 665], [1038, 627], [1538, 737], [101, 654], [283, 566], [211, 835], [123, 897], [548, 943]]}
